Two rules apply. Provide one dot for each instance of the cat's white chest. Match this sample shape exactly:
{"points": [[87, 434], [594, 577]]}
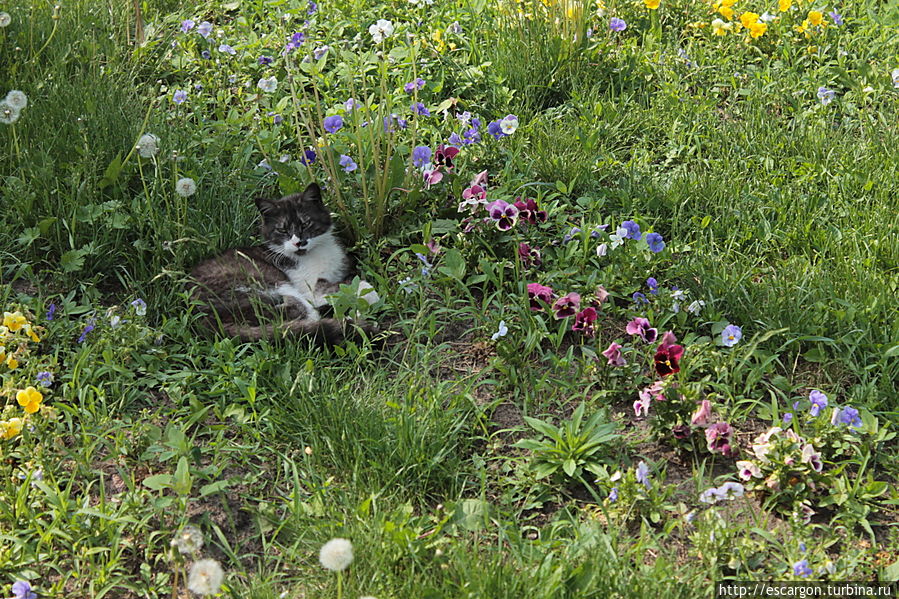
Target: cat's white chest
{"points": [[325, 260]]}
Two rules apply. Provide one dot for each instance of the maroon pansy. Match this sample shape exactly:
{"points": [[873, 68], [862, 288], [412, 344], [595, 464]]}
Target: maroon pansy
{"points": [[667, 358]]}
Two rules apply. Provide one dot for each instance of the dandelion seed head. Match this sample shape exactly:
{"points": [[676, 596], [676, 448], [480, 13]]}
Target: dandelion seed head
{"points": [[148, 145], [205, 577], [336, 555]]}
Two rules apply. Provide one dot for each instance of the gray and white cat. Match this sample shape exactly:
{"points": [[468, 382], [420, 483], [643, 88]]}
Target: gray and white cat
{"points": [[279, 285]]}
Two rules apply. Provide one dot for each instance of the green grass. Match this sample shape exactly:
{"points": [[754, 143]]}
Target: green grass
{"points": [[779, 212]]}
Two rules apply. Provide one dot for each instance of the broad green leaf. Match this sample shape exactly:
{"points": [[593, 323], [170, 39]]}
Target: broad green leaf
{"points": [[158, 482]]}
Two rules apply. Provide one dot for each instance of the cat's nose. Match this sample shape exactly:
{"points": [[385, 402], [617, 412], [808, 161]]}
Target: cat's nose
{"points": [[301, 243]]}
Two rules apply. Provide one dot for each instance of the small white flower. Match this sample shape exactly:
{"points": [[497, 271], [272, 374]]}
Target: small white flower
{"points": [[148, 145], [501, 332], [895, 76], [5, 19], [268, 85], [618, 237], [602, 249], [185, 187], [8, 113], [695, 307], [336, 555], [205, 577], [188, 541], [381, 30], [115, 320], [766, 17], [509, 124], [17, 99]]}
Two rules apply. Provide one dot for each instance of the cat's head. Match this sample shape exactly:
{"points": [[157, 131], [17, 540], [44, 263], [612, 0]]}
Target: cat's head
{"points": [[294, 224]]}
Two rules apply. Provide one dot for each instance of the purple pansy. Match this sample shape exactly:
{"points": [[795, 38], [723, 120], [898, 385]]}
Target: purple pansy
{"points": [[204, 29], [633, 230], [421, 155], [187, 25], [731, 335], [333, 124], [505, 214], [819, 402], [347, 163], [655, 242], [616, 24]]}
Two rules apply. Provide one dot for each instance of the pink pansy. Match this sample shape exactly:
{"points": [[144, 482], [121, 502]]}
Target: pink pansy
{"points": [[584, 321], [668, 338], [702, 413], [613, 353], [432, 177], [539, 295], [480, 179], [567, 305], [640, 327], [601, 294], [748, 470], [643, 403], [718, 437]]}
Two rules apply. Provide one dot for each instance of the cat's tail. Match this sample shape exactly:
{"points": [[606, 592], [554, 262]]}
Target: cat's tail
{"points": [[328, 331]]}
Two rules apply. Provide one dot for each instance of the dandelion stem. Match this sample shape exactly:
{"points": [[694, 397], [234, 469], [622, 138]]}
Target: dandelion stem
{"points": [[339, 584]]}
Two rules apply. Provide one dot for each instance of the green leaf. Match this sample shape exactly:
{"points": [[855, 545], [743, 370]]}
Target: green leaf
{"points": [[72, 261], [890, 573], [219, 485], [471, 514], [183, 481], [158, 482], [569, 466], [112, 172], [543, 427]]}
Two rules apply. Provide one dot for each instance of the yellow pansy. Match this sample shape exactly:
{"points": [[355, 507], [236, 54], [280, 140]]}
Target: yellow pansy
{"points": [[30, 332], [758, 29], [652, 4], [816, 17], [801, 28], [748, 19], [11, 362], [728, 3], [784, 5], [10, 428], [726, 12], [14, 320], [30, 399]]}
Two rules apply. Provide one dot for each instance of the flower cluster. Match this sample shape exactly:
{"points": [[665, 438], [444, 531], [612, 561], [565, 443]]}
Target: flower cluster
{"points": [[568, 305], [786, 467]]}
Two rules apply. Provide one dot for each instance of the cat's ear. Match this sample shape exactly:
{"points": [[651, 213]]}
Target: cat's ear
{"points": [[265, 205], [313, 193]]}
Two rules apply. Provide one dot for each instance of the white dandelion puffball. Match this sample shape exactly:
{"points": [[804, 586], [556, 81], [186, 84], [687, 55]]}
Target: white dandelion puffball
{"points": [[336, 555], [8, 113], [188, 541], [381, 30], [5, 19], [185, 187], [17, 99], [148, 145], [205, 577]]}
